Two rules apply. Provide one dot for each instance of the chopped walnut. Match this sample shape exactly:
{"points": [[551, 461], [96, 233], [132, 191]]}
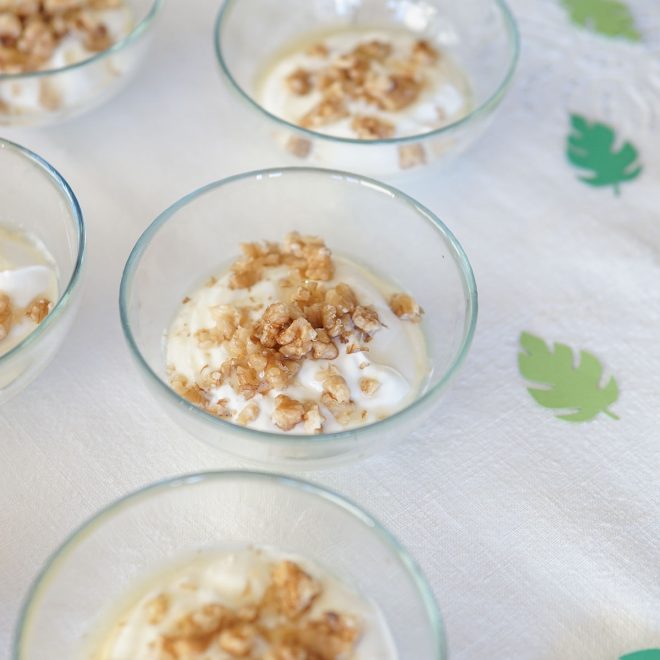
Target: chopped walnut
{"points": [[374, 50], [403, 90], [337, 388], [10, 27], [331, 636], [6, 315], [342, 297], [366, 319], [317, 257], [369, 386], [288, 412], [299, 146], [318, 50], [332, 325], [369, 127], [299, 82], [157, 608], [248, 414], [313, 417], [296, 340], [327, 111], [294, 590], [406, 308], [238, 641], [411, 155], [324, 348], [424, 53], [344, 413], [202, 621]]}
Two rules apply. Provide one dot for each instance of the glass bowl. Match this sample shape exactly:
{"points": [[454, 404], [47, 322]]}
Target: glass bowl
{"points": [[81, 585], [53, 95], [360, 219], [480, 35], [36, 199]]}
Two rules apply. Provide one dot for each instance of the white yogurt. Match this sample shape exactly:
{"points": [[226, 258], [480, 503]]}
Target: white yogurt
{"points": [[27, 271], [225, 578], [445, 98], [396, 358], [70, 89]]}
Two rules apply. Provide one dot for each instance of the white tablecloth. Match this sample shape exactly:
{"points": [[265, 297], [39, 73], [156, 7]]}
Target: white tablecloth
{"points": [[540, 537]]}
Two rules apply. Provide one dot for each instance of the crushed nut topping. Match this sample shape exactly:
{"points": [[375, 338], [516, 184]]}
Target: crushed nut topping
{"points": [[31, 30], [369, 386], [370, 74], [299, 82], [411, 155], [278, 626], [10, 315], [370, 127], [288, 412], [264, 346], [6, 315], [405, 307]]}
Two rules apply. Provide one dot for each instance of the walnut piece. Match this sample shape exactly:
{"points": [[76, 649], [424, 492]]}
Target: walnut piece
{"points": [[157, 608], [424, 53], [299, 82], [313, 417], [411, 155], [370, 127], [405, 307], [288, 412], [294, 590], [327, 111], [368, 386], [6, 315], [248, 414], [366, 319]]}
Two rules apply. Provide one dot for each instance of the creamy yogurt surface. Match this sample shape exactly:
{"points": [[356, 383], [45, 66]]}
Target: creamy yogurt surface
{"points": [[27, 273], [150, 623], [445, 96], [394, 358]]}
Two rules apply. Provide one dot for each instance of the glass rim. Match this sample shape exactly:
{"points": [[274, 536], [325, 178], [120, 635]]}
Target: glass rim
{"points": [[76, 216], [483, 108], [455, 248], [132, 36], [94, 521]]}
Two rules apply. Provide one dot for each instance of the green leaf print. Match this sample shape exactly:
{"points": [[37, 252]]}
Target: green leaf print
{"points": [[591, 147], [648, 654], [567, 387], [611, 18]]}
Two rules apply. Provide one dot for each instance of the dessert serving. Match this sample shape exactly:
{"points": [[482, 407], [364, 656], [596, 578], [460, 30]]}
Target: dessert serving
{"points": [[365, 84], [253, 603], [28, 286], [293, 339], [59, 58], [368, 86]]}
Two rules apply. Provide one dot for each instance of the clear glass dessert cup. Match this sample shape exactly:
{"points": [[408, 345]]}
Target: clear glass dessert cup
{"points": [[97, 567], [479, 35], [37, 200], [54, 95], [365, 221]]}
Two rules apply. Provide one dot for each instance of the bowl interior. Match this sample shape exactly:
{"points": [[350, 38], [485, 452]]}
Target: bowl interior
{"points": [[365, 221], [36, 200], [87, 582], [480, 35]]}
